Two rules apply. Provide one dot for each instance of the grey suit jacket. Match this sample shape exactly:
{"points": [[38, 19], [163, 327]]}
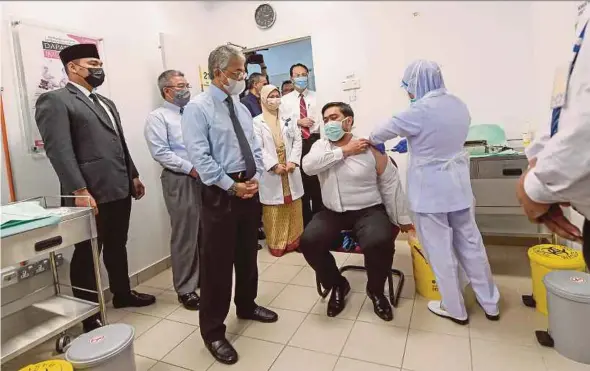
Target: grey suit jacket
{"points": [[83, 146]]}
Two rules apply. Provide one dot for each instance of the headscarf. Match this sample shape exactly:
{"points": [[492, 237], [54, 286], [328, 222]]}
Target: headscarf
{"points": [[271, 118], [421, 77]]}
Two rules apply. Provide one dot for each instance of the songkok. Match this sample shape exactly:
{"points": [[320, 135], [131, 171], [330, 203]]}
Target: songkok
{"points": [[78, 51]]}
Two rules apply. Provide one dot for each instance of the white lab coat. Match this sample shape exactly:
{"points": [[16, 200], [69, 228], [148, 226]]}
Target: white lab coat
{"points": [[562, 172], [270, 188]]}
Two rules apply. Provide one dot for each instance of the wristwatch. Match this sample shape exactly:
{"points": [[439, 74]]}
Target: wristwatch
{"points": [[232, 191]]}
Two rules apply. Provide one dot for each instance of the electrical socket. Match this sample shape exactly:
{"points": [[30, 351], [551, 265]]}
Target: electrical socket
{"points": [[59, 259], [9, 276], [38, 267], [26, 272]]}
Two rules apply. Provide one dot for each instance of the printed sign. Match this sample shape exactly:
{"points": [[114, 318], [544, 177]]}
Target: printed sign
{"points": [[40, 69]]}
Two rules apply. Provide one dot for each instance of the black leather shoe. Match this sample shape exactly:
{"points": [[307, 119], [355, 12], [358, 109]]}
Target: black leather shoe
{"points": [[381, 306], [223, 351], [338, 298], [190, 301], [261, 314], [133, 299], [92, 324]]}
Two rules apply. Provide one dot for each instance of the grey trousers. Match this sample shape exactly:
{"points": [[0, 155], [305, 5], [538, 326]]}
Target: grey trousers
{"points": [[182, 195]]}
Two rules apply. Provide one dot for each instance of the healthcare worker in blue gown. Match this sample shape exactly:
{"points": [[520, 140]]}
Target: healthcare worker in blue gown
{"points": [[439, 190]]}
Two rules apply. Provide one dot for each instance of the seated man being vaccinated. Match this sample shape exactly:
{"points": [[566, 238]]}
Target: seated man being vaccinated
{"points": [[361, 192]]}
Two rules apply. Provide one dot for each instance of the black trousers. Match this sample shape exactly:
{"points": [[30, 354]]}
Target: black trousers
{"points": [[374, 233], [112, 224], [229, 227], [312, 196], [586, 248]]}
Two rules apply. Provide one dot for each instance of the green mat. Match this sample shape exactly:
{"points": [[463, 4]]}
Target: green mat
{"points": [[23, 216], [493, 134]]}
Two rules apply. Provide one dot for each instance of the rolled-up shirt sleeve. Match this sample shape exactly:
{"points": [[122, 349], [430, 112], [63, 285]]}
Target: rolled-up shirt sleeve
{"points": [[320, 158], [156, 136], [195, 131], [562, 171]]}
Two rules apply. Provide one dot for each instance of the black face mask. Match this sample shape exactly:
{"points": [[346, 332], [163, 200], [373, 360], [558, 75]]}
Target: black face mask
{"points": [[95, 76]]}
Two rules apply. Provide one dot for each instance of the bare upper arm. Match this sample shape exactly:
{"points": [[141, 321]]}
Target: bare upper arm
{"points": [[380, 161]]}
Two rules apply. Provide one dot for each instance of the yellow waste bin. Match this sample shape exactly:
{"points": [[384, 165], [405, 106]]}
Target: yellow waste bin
{"points": [[546, 258], [423, 275], [55, 365]]}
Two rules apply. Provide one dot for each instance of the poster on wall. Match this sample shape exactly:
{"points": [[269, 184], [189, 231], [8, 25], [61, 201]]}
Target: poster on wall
{"points": [[40, 70]]}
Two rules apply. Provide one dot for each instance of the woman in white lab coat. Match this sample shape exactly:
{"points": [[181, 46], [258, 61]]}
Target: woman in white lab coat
{"points": [[439, 190], [281, 187]]}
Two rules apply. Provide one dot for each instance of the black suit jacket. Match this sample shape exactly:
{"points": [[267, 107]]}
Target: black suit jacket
{"points": [[83, 146]]}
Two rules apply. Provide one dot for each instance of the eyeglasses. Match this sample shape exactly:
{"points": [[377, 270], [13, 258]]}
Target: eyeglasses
{"points": [[180, 86], [238, 75]]}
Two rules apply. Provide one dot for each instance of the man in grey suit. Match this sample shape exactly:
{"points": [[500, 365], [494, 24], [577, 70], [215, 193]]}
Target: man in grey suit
{"points": [[84, 141]]}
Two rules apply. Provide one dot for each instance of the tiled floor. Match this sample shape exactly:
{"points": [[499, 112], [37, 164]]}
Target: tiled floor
{"points": [[305, 339]]}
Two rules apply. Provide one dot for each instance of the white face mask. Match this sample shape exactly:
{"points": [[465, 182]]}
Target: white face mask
{"points": [[234, 87], [273, 103]]}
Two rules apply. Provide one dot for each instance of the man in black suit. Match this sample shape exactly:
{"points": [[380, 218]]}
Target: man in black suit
{"points": [[84, 141]]}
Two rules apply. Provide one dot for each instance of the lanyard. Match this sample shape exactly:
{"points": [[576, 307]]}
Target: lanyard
{"points": [[557, 111]]}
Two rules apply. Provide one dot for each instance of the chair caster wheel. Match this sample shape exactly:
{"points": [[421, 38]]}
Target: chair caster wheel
{"points": [[61, 343]]}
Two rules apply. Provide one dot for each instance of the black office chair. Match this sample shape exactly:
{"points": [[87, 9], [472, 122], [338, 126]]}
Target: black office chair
{"points": [[393, 294]]}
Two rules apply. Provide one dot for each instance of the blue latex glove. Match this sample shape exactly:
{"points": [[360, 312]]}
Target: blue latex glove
{"points": [[401, 147], [380, 148]]}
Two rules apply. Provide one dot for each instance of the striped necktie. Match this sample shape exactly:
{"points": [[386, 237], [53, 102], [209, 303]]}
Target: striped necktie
{"points": [[305, 133]]}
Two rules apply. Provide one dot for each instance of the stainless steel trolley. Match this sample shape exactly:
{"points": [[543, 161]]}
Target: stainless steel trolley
{"points": [[33, 325]]}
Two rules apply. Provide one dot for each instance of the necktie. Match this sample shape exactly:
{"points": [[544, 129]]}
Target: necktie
{"points": [[102, 111], [556, 113], [181, 110], [303, 114], [242, 141]]}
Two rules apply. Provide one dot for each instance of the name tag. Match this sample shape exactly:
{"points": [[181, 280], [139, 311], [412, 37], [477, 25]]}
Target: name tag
{"points": [[560, 84]]}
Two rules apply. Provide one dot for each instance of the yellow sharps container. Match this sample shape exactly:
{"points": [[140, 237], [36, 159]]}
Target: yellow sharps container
{"points": [[423, 275], [546, 258], [54, 365]]}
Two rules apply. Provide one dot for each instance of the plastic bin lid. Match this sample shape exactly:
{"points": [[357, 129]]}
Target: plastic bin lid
{"points": [[54, 365], [556, 256], [571, 285], [100, 345]]}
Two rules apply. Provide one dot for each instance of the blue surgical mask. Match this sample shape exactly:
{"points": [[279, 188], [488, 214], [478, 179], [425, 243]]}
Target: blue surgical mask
{"points": [[300, 82], [412, 100], [334, 131]]}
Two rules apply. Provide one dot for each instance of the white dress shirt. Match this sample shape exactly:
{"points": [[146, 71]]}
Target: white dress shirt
{"points": [[340, 176], [163, 135], [87, 93], [562, 172], [290, 104]]}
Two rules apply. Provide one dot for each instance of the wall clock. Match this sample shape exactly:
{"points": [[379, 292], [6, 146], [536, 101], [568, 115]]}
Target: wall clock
{"points": [[265, 16]]}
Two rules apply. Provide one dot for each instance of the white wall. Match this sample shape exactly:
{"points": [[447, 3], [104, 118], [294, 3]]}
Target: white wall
{"points": [[493, 54], [133, 62]]}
